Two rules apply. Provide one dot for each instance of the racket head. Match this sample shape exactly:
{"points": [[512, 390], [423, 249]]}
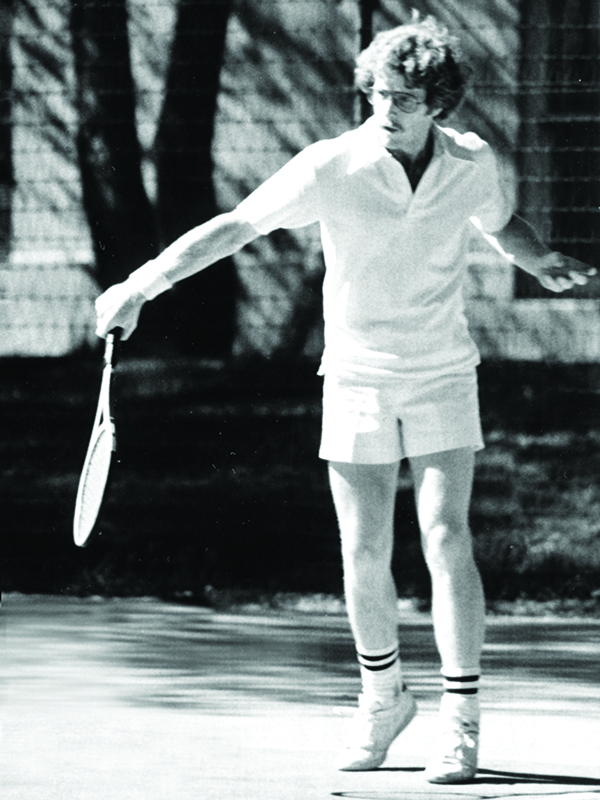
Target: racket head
{"points": [[92, 483], [100, 454]]}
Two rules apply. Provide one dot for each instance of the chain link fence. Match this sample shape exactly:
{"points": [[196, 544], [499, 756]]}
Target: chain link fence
{"points": [[285, 81]]}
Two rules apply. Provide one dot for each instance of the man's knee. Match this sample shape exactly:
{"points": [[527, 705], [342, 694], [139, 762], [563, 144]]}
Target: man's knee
{"points": [[367, 552], [448, 546]]}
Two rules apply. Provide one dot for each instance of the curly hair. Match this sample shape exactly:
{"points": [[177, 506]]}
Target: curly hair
{"points": [[425, 54]]}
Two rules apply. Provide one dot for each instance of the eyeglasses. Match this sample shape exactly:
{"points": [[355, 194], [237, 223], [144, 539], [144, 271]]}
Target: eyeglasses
{"points": [[405, 102]]}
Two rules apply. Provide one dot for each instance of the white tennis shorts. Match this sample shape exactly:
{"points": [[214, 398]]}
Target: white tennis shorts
{"points": [[381, 423]]}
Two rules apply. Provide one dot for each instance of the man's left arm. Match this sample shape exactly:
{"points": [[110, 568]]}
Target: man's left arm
{"points": [[519, 241]]}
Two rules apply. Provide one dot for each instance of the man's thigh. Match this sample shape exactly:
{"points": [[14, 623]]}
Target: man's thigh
{"points": [[443, 484], [364, 496]]}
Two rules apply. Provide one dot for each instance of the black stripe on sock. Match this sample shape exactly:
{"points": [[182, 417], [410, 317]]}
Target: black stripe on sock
{"points": [[379, 667], [462, 679], [393, 652], [461, 691]]}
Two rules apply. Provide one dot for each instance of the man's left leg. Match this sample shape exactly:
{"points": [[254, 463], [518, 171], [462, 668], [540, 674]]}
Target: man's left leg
{"points": [[443, 483], [364, 497]]}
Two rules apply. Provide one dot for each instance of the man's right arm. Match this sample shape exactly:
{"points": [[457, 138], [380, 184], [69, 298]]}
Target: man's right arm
{"points": [[197, 249]]}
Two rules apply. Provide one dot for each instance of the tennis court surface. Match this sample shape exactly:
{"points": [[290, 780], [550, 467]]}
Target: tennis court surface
{"points": [[136, 698]]}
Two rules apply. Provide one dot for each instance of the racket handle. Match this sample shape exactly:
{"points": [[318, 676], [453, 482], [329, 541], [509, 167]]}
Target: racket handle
{"points": [[111, 350], [117, 333]]}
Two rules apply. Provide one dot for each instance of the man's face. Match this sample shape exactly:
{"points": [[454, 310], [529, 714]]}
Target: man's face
{"points": [[403, 120]]}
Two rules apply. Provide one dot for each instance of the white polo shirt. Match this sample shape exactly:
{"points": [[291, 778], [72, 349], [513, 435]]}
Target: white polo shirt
{"points": [[395, 260]]}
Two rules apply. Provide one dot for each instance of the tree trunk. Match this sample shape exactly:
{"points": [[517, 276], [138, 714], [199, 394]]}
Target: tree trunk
{"points": [[118, 210], [203, 307], [7, 180], [367, 9]]}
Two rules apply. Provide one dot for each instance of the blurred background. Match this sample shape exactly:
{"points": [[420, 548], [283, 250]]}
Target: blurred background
{"points": [[123, 123]]}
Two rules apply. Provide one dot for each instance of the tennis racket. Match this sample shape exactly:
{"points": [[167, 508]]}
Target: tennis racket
{"points": [[100, 454]]}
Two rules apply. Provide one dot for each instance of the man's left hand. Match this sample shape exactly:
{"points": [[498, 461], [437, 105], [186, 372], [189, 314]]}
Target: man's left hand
{"points": [[559, 273]]}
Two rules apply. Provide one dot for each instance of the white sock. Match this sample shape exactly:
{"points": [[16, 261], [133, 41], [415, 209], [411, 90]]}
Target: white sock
{"points": [[463, 681], [381, 673], [461, 686]]}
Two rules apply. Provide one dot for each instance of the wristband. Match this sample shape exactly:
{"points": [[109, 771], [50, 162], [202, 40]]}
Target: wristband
{"points": [[149, 280]]}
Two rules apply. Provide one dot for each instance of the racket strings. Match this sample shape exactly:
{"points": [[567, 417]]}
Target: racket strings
{"points": [[93, 482]]}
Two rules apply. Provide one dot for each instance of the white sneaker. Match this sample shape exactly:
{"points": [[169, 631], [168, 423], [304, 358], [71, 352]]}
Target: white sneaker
{"points": [[455, 758], [375, 727]]}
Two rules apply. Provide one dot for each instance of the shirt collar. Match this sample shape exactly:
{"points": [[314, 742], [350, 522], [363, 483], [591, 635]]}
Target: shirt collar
{"points": [[444, 145]]}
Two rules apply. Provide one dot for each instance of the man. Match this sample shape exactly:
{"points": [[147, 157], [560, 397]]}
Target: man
{"points": [[395, 200]]}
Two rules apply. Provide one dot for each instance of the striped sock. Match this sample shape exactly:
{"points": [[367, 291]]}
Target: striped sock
{"points": [[461, 681], [381, 672]]}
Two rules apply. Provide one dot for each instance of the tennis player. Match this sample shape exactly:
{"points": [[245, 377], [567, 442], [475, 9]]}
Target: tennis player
{"points": [[395, 200]]}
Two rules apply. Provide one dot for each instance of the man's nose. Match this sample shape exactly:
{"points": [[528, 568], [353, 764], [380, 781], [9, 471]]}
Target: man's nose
{"points": [[390, 112], [388, 105]]}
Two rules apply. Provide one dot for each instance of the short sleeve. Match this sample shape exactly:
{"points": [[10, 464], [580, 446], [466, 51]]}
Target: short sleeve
{"points": [[496, 206], [288, 199]]}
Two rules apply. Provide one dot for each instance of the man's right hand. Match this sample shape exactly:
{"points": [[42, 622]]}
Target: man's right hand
{"points": [[119, 307]]}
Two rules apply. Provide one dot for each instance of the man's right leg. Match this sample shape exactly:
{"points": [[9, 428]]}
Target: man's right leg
{"points": [[364, 497]]}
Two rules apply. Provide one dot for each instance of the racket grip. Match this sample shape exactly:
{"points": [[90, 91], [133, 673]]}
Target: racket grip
{"points": [[112, 346]]}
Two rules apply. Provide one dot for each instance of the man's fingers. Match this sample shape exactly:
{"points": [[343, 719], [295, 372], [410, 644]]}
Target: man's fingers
{"points": [[564, 282], [104, 329], [117, 307], [553, 284], [579, 278], [107, 322], [557, 282]]}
